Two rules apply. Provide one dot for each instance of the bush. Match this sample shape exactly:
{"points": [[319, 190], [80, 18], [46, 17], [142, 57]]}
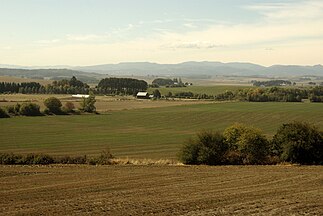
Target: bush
{"points": [[3, 113], [72, 160], [87, 104], [207, 148], [8, 158], [104, 158], [37, 159], [30, 159], [53, 105], [299, 142], [253, 146], [13, 109], [247, 144], [29, 109], [233, 133], [69, 107]]}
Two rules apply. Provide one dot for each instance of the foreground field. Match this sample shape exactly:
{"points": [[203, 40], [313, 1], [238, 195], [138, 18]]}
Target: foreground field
{"points": [[144, 133], [161, 190]]}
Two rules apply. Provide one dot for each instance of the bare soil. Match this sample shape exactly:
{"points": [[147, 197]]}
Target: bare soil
{"points": [[161, 190]]}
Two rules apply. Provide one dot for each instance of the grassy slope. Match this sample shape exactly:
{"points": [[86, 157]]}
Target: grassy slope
{"points": [[144, 133]]}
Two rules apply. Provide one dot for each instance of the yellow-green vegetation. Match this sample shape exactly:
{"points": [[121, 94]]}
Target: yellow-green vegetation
{"points": [[144, 133]]}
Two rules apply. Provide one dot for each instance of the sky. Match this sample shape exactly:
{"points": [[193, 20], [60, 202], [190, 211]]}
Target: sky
{"points": [[90, 32]]}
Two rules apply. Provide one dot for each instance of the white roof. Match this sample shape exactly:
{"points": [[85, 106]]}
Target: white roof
{"points": [[80, 96], [144, 94]]}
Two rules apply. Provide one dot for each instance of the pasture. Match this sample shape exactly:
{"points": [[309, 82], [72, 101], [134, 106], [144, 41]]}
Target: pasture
{"points": [[144, 133], [161, 190]]}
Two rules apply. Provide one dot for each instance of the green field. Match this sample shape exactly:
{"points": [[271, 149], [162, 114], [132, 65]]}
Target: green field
{"points": [[144, 133], [209, 90]]}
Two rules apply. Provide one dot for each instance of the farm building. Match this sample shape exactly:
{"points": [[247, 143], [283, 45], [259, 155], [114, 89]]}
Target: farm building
{"points": [[80, 96], [143, 95]]}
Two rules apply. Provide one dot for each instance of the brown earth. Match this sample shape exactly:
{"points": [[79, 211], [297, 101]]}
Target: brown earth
{"points": [[161, 190]]}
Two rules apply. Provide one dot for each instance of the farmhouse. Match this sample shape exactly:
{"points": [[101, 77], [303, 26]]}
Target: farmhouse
{"points": [[143, 95], [80, 96]]}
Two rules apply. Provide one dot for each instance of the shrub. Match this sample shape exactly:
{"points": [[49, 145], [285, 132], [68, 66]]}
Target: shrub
{"points": [[247, 144], [72, 160], [299, 142], [53, 105], [30, 159], [29, 109], [87, 104], [253, 146], [207, 148], [105, 158], [3, 113], [69, 107], [13, 109], [233, 133], [8, 158]]}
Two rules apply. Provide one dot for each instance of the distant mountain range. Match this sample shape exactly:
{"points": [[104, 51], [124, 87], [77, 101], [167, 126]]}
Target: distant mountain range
{"points": [[204, 68], [181, 69]]}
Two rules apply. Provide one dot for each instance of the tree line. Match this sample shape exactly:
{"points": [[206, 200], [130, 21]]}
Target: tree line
{"points": [[296, 142], [272, 83], [72, 86], [126, 86], [273, 94]]}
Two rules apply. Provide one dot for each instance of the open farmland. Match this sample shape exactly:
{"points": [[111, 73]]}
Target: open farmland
{"points": [[161, 190], [144, 133], [103, 103], [209, 90]]}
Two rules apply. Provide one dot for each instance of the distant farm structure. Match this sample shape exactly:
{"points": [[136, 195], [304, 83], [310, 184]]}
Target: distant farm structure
{"points": [[142, 95], [80, 96]]}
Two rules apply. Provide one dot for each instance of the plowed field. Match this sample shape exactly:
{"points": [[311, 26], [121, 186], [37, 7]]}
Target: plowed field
{"points": [[161, 190]]}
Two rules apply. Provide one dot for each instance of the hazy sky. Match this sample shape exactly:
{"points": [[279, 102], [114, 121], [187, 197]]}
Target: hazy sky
{"points": [[88, 32]]}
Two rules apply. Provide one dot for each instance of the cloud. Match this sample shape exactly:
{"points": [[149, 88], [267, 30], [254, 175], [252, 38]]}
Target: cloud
{"points": [[86, 37], [292, 11], [285, 33], [52, 41], [193, 45]]}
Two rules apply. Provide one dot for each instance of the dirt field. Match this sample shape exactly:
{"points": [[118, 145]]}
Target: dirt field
{"points": [[161, 190]]}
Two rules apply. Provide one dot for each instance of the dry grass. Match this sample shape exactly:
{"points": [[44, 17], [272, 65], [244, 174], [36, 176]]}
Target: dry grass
{"points": [[146, 161], [161, 190]]}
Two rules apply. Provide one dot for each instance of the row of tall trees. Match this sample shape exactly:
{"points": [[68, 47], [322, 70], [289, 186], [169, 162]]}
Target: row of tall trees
{"points": [[125, 86], [72, 86]]}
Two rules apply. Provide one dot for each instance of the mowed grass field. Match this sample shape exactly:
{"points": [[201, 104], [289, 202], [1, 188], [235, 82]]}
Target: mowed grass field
{"points": [[144, 133], [161, 190]]}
